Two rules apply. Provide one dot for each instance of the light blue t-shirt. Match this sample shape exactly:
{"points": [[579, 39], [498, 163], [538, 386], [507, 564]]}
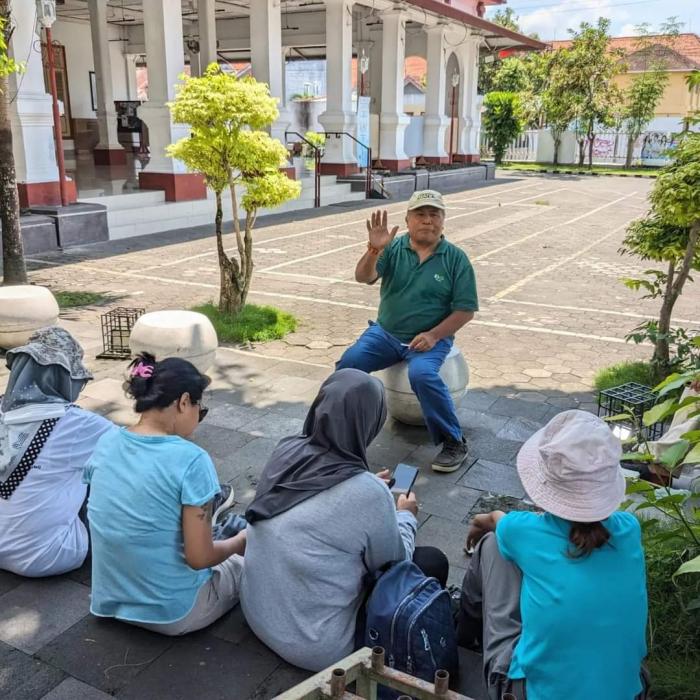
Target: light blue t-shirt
{"points": [[138, 485], [584, 620]]}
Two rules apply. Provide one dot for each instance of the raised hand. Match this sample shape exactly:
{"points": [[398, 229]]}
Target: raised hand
{"points": [[379, 234]]}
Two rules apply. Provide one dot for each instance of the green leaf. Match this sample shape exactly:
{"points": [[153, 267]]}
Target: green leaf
{"points": [[637, 457], [659, 412], [690, 567], [638, 486], [693, 457], [674, 454], [619, 417], [673, 381], [672, 499], [693, 605], [691, 436]]}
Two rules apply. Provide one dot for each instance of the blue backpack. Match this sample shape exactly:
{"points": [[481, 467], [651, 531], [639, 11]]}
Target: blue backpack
{"points": [[410, 616]]}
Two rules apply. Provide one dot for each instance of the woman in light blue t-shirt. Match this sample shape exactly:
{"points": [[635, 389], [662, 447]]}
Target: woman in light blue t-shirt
{"points": [[557, 600], [152, 500]]}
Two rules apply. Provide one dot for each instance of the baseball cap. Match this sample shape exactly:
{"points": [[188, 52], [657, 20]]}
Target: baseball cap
{"points": [[426, 198]]}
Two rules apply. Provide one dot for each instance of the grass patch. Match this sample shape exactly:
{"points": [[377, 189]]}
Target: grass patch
{"points": [[673, 631], [70, 300], [542, 202], [252, 324], [599, 169], [623, 372]]}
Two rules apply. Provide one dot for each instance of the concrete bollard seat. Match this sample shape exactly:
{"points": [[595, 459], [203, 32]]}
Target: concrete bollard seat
{"points": [[185, 334], [24, 309], [402, 403]]}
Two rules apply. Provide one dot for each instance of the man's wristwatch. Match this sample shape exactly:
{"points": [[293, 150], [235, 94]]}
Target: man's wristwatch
{"points": [[372, 250]]}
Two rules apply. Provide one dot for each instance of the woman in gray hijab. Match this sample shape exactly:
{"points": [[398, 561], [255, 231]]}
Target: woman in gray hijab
{"points": [[319, 522], [44, 443]]}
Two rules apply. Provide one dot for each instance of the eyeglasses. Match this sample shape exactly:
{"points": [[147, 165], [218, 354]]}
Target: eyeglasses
{"points": [[203, 410]]}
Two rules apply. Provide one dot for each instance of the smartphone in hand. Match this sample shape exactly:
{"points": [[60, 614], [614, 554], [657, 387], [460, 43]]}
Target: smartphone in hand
{"points": [[404, 477]]}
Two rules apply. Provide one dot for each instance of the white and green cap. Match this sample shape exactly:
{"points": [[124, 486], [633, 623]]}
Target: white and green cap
{"points": [[426, 198]]}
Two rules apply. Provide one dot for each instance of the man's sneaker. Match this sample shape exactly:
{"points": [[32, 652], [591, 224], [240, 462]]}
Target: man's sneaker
{"points": [[222, 502], [453, 453]]}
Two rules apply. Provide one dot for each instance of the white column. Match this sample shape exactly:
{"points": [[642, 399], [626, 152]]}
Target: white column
{"points": [[132, 91], [392, 120], [267, 57], [469, 111], [165, 59], [108, 150], [339, 157], [435, 123], [194, 57], [206, 17], [30, 115]]}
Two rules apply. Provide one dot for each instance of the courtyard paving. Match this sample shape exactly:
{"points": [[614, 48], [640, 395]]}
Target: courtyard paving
{"points": [[545, 250]]}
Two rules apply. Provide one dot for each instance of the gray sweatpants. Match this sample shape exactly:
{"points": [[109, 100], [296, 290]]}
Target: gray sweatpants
{"points": [[216, 597], [490, 613]]}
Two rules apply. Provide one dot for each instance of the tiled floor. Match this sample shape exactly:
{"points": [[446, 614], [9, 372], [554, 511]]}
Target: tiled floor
{"points": [[553, 311]]}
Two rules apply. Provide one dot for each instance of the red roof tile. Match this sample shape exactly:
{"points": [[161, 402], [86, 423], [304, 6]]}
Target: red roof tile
{"points": [[685, 46]]}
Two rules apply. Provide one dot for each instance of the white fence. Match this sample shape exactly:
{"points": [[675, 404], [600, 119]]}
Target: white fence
{"points": [[609, 148]]}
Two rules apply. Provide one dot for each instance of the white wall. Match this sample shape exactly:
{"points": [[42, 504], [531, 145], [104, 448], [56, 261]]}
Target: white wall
{"points": [[75, 36], [413, 137], [77, 39]]}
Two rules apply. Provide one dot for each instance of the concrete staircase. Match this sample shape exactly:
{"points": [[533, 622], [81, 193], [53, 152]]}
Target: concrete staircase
{"points": [[142, 212]]}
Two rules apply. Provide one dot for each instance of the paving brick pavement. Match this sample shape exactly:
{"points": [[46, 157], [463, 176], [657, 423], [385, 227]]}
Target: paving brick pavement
{"points": [[553, 312]]}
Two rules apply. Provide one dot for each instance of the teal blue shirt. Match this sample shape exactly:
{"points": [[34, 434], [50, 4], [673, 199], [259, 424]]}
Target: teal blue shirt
{"points": [[415, 296], [584, 620], [138, 485]]}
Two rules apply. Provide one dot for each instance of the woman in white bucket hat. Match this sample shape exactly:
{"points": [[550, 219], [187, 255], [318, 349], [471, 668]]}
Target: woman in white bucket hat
{"points": [[557, 600]]}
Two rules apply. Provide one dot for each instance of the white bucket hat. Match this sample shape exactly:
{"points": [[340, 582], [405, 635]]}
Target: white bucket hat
{"points": [[571, 468]]}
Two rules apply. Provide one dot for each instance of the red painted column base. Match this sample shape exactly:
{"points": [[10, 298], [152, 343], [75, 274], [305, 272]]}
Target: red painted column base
{"points": [[109, 156], [339, 169], [177, 187], [436, 160], [290, 172], [469, 158], [35, 194], [393, 165]]}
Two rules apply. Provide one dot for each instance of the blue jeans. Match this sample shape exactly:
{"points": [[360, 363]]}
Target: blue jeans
{"points": [[376, 349]]}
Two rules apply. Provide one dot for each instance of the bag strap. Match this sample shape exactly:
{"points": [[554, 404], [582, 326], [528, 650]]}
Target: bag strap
{"points": [[8, 487]]}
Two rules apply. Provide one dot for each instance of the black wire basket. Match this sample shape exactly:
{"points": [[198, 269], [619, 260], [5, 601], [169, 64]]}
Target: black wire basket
{"points": [[117, 325]]}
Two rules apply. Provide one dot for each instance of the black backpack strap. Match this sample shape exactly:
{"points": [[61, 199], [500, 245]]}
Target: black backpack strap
{"points": [[7, 487]]}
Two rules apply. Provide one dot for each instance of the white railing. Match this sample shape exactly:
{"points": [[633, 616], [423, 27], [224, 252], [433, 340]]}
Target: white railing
{"points": [[609, 148]]}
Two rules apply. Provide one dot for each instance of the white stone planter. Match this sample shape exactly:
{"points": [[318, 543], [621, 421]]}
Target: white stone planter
{"points": [[402, 403], [185, 334], [23, 310]]}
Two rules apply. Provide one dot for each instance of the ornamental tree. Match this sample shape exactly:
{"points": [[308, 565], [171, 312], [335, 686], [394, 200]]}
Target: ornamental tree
{"points": [[227, 145], [647, 88], [670, 233], [503, 121], [641, 98], [590, 68], [14, 269]]}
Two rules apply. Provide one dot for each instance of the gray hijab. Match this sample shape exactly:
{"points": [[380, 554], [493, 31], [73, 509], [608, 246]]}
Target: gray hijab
{"points": [[32, 383], [345, 417]]}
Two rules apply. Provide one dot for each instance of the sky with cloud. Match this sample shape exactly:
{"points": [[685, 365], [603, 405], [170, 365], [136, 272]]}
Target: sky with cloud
{"points": [[551, 19]]}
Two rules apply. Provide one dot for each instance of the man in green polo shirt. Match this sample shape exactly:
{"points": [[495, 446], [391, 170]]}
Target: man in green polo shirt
{"points": [[428, 293]]}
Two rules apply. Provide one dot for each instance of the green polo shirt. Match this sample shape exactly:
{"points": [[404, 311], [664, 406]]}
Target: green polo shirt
{"points": [[416, 296]]}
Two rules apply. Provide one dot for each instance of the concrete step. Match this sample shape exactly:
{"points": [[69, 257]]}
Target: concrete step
{"points": [[165, 216], [128, 200]]}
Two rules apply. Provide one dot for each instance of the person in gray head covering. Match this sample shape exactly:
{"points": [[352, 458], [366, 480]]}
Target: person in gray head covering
{"points": [[329, 450], [44, 444], [319, 522]]}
